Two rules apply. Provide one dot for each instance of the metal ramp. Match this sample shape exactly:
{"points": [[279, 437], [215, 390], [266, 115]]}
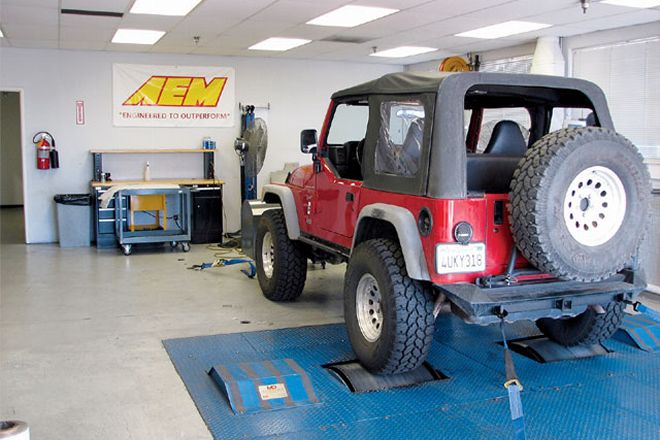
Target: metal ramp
{"points": [[358, 380], [639, 331], [253, 387], [543, 350]]}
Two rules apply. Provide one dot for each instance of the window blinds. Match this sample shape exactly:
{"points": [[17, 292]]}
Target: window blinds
{"points": [[629, 74]]}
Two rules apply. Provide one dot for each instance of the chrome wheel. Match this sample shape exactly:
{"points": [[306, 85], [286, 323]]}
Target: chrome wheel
{"points": [[268, 254], [594, 206], [368, 308]]}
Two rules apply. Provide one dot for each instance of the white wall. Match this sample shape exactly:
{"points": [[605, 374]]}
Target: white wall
{"points": [[53, 80], [11, 175]]}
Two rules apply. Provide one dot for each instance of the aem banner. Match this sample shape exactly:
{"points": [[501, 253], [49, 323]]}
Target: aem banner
{"points": [[172, 96]]}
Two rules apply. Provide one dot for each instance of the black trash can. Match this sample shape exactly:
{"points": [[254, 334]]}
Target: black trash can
{"points": [[73, 219]]}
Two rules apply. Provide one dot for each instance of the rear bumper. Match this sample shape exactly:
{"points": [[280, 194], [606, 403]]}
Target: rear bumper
{"points": [[531, 301]]}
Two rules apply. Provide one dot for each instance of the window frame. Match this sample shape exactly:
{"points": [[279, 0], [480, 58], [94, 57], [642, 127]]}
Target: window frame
{"points": [[412, 185]]}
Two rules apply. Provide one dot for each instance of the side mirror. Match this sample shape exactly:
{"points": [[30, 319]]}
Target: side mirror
{"points": [[308, 141]]}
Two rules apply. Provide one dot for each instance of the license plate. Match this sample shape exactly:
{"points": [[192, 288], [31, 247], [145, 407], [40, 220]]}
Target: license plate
{"points": [[459, 258]]}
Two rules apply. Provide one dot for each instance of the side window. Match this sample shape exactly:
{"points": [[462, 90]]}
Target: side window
{"points": [[571, 117], [490, 118], [349, 123], [345, 140], [399, 144]]}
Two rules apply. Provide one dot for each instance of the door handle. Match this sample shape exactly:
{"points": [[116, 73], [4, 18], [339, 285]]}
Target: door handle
{"points": [[349, 197]]}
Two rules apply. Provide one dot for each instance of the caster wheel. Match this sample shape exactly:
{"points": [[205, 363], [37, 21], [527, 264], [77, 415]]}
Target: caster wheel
{"points": [[185, 247], [126, 249], [173, 244]]}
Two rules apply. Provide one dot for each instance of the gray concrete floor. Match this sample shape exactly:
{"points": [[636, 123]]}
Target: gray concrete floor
{"points": [[80, 333]]}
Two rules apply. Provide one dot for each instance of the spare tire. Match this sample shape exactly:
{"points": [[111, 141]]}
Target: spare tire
{"points": [[580, 203]]}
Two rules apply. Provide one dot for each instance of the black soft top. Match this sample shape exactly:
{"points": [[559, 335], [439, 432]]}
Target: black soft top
{"points": [[425, 82], [443, 161]]}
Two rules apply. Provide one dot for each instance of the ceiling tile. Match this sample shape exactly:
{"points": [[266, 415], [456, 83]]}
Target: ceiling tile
{"points": [[230, 41], [388, 25], [89, 21], [29, 15], [215, 51], [115, 47], [442, 9], [51, 4], [401, 5], [311, 32], [86, 34], [152, 22], [97, 5], [205, 25], [514, 10], [317, 47], [574, 14], [234, 9], [83, 45], [34, 33], [34, 44], [611, 22], [444, 28], [294, 12], [166, 48], [251, 29]]}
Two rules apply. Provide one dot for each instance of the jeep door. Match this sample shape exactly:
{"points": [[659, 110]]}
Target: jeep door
{"points": [[339, 180]]}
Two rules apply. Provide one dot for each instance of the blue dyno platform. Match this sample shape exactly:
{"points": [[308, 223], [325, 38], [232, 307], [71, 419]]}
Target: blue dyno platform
{"points": [[614, 396]]}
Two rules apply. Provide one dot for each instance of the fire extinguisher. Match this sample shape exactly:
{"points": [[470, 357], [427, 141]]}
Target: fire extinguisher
{"points": [[47, 156]]}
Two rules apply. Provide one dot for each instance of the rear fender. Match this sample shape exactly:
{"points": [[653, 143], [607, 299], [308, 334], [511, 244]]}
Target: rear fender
{"points": [[406, 230]]}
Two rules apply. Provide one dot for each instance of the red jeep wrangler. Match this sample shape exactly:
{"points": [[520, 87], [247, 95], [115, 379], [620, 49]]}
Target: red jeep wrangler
{"points": [[509, 196]]}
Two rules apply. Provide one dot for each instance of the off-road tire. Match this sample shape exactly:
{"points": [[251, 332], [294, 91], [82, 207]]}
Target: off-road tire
{"points": [[289, 260], [407, 310], [539, 190], [588, 328]]}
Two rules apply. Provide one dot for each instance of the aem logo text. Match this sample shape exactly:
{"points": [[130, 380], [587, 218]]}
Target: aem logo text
{"points": [[178, 91]]}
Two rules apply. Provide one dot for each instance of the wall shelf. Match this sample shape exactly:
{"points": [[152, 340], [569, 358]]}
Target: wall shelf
{"points": [[153, 151]]}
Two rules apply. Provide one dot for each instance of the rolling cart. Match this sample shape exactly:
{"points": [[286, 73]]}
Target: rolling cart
{"points": [[176, 232]]}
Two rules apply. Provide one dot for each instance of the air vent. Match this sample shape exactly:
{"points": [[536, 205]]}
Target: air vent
{"points": [[92, 13], [351, 40]]}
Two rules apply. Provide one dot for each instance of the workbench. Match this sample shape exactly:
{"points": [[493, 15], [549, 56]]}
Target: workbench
{"points": [[105, 218]]}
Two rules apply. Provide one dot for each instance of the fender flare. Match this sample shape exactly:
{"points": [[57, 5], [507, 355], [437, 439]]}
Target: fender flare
{"points": [[288, 207], [406, 228]]}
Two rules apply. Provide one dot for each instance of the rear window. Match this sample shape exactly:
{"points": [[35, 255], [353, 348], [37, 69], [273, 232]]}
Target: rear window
{"points": [[490, 118]]}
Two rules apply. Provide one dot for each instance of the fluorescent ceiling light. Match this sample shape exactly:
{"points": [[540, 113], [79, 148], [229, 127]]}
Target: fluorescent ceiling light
{"points": [[633, 3], [351, 16], [504, 29], [403, 51], [1, 34], [278, 44], [164, 7], [136, 36]]}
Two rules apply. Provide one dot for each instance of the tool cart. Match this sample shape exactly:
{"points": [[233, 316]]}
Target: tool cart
{"points": [[131, 204]]}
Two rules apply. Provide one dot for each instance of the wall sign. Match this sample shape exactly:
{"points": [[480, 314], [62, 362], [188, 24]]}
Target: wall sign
{"points": [[172, 96], [80, 112]]}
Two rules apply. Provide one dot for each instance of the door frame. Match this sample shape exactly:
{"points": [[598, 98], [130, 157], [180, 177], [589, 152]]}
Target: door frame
{"points": [[21, 104]]}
